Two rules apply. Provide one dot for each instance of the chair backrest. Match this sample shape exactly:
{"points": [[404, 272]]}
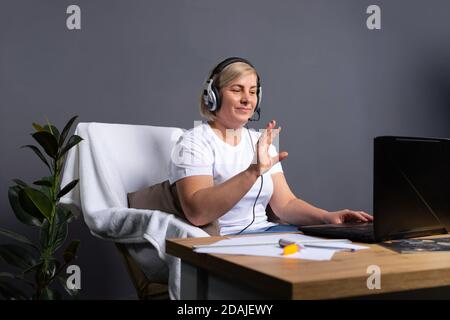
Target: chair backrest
{"points": [[122, 158], [140, 154]]}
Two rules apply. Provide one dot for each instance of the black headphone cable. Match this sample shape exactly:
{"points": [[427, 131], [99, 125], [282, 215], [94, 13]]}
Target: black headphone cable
{"points": [[260, 188]]}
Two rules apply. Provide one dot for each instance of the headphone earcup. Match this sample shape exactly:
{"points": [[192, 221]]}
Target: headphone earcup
{"points": [[217, 101], [209, 98], [259, 95]]}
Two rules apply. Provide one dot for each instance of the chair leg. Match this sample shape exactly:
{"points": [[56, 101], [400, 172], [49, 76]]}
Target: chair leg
{"points": [[146, 290]]}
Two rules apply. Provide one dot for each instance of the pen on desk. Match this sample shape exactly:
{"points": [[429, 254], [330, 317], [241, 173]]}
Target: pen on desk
{"points": [[285, 242], [329, 247], [316, 244]]}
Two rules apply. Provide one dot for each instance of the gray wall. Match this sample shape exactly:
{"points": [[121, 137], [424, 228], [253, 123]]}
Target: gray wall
{"points": [[331, 83]]}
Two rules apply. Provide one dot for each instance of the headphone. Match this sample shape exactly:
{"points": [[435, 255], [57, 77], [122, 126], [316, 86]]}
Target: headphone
{"points": [[211, 96]]}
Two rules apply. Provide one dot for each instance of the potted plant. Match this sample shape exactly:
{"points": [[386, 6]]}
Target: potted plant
{"points": [[38, 205]]}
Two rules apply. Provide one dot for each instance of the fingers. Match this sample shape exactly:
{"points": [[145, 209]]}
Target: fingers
{"points": [[269, 128], [356, 215], [275, 133], [350, 215], [368, 216], [264, 136], [270, 133], [280, 157], [283, 155], [264, 142]]}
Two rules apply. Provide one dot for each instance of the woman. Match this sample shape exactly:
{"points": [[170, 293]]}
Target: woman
{"points": [[222, 173]]}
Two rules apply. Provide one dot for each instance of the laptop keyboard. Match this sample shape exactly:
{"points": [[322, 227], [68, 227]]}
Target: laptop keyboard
{"points": [[354, 226], [361, 232]]}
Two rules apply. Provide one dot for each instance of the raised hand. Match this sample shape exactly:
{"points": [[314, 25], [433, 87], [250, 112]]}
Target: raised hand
{"points": [[264, 161]]}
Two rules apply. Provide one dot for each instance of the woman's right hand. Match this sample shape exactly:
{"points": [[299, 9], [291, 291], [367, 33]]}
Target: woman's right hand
{"points": [[264, 161]]}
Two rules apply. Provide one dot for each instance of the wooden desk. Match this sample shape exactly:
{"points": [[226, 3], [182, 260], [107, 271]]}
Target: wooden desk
{"points": [[219, 276]]}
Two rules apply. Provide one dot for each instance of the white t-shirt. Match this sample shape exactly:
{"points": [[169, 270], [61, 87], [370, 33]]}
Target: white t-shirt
{"points": [[199, 151]]}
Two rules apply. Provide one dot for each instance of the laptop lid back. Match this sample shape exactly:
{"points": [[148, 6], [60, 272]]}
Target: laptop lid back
{"points": [[411, 187]]}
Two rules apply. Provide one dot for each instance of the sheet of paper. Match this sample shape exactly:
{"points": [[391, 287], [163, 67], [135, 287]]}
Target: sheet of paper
{"points": [[267, 245], [298, 238], [272, 251]]}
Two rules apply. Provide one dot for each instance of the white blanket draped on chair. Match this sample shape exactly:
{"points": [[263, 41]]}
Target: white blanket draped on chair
{"points": [[113, 160]]}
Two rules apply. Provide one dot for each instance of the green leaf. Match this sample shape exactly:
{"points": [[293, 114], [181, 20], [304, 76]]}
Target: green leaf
{"points": [[44, 234], [51, 268], [61, 230], [53, 130], [7, 275], [33, 268], [37, 127], [17, 237], [65, 131], [71, 251], [20, 277], [51, 294], [67, 188], [46, 190], [21, 214], [47, 141], [20, 182], [17, 256], [63, 282], [73, 140], [43, 182], [66, 211], [10, 291], [39, 154], [35, 202], [57, 265]]}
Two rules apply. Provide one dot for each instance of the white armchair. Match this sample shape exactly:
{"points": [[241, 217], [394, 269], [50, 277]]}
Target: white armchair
{"points": [[113, 160]]}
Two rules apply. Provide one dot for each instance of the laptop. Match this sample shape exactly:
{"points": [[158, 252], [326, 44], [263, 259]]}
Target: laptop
{"points": [[411, 192]]}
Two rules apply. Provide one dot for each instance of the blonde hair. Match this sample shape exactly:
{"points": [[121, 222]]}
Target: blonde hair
{"points": [[222, 79]]}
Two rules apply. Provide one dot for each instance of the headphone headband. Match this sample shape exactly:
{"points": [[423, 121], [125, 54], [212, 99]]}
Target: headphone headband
{"points": [[218, 69]]}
